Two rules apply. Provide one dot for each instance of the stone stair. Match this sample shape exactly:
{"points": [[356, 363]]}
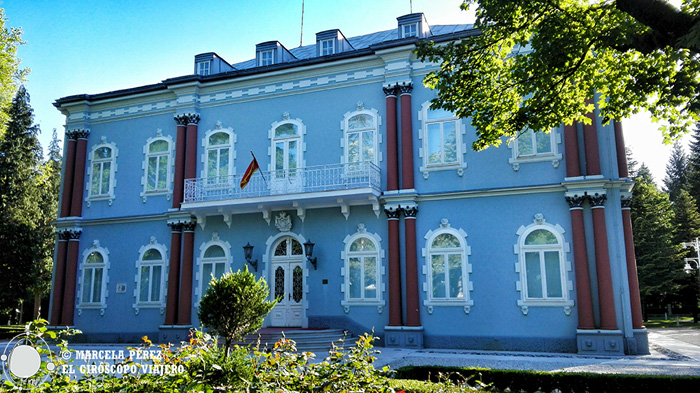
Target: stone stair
{"points": [[307, 340]]}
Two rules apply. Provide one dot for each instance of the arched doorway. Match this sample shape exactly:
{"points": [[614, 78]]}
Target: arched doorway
{"points": [[287, 282]]}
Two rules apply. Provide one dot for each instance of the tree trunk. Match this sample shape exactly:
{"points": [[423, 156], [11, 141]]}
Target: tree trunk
{"points": [[37, 306]]}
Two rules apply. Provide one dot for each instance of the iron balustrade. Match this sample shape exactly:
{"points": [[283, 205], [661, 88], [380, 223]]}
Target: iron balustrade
{"points": [[319, 178]]}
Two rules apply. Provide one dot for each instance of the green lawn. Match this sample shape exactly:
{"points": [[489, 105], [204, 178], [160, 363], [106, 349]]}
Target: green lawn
{"points": [[653, 323]]}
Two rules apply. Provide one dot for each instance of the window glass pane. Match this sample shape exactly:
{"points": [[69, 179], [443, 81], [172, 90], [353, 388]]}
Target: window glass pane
{"points": [[212, 163], [279, 284], [162, 172], [437, 264], [445, 240], [370, 277], [360, 121], [102, 153], [95, 180], [553, 273], [287, 129], [368, 146], [292, 156], [354, 147], [223, 161], [534, 275], [152, 255], [143, 284], [214, 252], [158, 146], [97, 286], [94, 257], [281, 248], [297, 284], [456, 285], [220, 138], [206, 276], [434, 144], [355, 278], [544, 142], [525, 143], [540, 236], [104, 188], [279, 159], [86, 285], [450, 136], [151, 181], [439, 114], [296, 248], [219, 269], [155, 283], [362, 244]]}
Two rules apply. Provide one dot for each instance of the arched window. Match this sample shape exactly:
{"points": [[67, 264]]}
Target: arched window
{"points": [[442, 141], [93, 278], [101, 172], [287, 161], [218, 155], [361, 139], [157, 166], [214, 261], [150, 284], [363, 269], [447, 268], [542, 266]]}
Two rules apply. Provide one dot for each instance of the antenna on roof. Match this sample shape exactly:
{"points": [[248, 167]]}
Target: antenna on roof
{"points": [[301, 36]]}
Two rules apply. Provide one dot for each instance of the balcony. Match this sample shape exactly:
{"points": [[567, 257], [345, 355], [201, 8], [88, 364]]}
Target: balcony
{"points": [[311, 187]]}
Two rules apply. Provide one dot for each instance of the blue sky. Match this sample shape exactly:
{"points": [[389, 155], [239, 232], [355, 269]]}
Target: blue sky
{"points": [[94, 46]]}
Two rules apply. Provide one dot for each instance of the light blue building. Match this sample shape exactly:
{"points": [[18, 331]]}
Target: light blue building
{"points": [[412, 233]]}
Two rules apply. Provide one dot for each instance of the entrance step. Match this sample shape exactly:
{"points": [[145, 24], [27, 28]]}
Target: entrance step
{"points": [[307, 340]]}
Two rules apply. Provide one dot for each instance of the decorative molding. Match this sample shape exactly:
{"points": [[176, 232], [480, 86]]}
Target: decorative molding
{"points": [[181, 120], [189, 226], [393, 212], [626, 201], [410, 211], [78, 133], [283, 222], [69, 234], [175, 226], [597, 200], [575, 201], [389, 90], [404, 87], [192, 118]]}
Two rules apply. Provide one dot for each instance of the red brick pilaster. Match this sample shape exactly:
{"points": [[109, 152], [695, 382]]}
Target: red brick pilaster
{"points": [[584, 300], [184, 313], [606, 298], [406, 136], [392, 159], [171, 306], [394, 267], [76, 208], [412, 293]]}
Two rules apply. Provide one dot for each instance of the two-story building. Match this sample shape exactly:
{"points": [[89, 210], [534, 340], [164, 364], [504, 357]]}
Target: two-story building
{"points": [[369, 210]]}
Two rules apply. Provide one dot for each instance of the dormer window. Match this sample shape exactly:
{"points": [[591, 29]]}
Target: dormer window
{"points": [[327, 47], [409, 30], [204, 68], [267, 58]]}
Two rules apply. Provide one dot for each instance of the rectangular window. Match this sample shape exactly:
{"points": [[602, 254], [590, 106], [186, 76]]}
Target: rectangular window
{"points": [[266, 58], [410, 30], [203, 68], [532, 143], [327, 47], [92, 286], [442, 143]]}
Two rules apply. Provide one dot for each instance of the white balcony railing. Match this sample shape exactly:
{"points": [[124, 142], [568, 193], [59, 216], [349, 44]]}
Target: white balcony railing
{"points": [[302, 180]]}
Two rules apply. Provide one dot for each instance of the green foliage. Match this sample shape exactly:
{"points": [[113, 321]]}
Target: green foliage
{"points": [[534, 381], [10, 73], [20, 198], [235, 305], [676, 172], [659, 265], [535, 63], [694, 166]]}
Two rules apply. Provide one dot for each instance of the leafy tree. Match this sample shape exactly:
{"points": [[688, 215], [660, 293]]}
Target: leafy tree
{"points": [[235, 305], [10, 73], [631, 163], [687, 227], [676, 172], [534, 63], [694, 166], [20, 155], [659, 264]]}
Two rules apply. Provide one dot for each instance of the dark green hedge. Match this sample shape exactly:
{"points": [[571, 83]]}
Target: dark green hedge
{"points": [[532, 381]]}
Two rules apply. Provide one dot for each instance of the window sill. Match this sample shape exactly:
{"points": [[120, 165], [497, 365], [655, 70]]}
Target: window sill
{"points": [[465, 303], [564, 303], [363, 303], [97, 198], [459, 167], [554, 158], [138, 306]]}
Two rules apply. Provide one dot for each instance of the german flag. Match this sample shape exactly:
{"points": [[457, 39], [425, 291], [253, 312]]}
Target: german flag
{"points": [[249, 172]]}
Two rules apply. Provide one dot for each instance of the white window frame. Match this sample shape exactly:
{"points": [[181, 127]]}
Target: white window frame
{"points": [[231, 152], [409, 30], [227, 260], [102, 304], [525, 302], [301, 146], [424, 152], [377, 140], [327, 47], [379, 254], [163, 263], [109, 196], [464, 250], [554, 156], [204, 68], [266, 57], [170, 152]]}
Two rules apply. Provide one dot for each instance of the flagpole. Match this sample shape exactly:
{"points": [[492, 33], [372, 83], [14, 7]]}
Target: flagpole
{"points": [[261, 171]]}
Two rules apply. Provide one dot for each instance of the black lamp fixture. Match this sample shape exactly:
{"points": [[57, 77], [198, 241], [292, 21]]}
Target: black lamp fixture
{"points": [[309, 251], [248, 251]]}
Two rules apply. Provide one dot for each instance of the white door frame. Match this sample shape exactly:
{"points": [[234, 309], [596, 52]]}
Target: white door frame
{"points": [[269, 272]]}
